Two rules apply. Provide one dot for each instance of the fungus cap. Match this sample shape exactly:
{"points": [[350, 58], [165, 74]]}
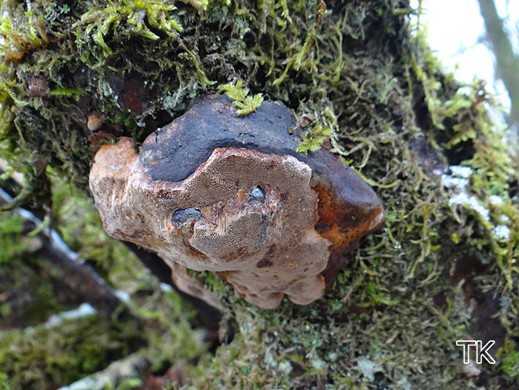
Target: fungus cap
{"points": [[219, 192]]}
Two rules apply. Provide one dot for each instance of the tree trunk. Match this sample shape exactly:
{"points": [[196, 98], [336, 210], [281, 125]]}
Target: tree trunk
{"points": [[507, 62], [359, 82]]}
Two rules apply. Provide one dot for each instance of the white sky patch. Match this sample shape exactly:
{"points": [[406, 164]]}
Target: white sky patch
{"points": [[461, 171], [496, 200], [165, 288], [129, 367], [88, 383], [83, 310], [123, 295], [508, 10], [502, 232], [459, 183]]}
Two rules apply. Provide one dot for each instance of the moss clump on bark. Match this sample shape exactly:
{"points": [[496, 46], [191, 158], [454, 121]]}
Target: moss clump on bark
{"points": [[11, 239], [51, 357], [28, 298], [360, 83]]}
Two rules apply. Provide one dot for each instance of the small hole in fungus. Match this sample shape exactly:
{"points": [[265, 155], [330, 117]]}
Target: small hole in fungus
{"points": [[258, 194], [181, 216]]}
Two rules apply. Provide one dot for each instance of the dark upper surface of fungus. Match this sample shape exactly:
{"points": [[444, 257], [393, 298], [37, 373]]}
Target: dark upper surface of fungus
{"points": [[173, 152], [226, 193]]}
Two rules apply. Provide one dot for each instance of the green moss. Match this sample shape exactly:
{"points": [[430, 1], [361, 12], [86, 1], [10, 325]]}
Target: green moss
{"points": [[171, 339], [4, 381], [67, 92], [12, 238], [34, 359], [128, 384], [128, 18], [510, 362], [29, 297], [321, 130], [244, 104], [28, 33], [510, 365]]}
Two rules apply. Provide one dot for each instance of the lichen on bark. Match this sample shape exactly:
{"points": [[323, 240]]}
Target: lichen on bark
{"points": [[361, 84]]}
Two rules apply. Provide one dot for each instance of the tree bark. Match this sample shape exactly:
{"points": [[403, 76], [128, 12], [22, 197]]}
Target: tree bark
{"points": [[507, 62]]}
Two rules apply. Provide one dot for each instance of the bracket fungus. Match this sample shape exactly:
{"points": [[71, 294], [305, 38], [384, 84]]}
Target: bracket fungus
{"points": [[229, 194]]}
